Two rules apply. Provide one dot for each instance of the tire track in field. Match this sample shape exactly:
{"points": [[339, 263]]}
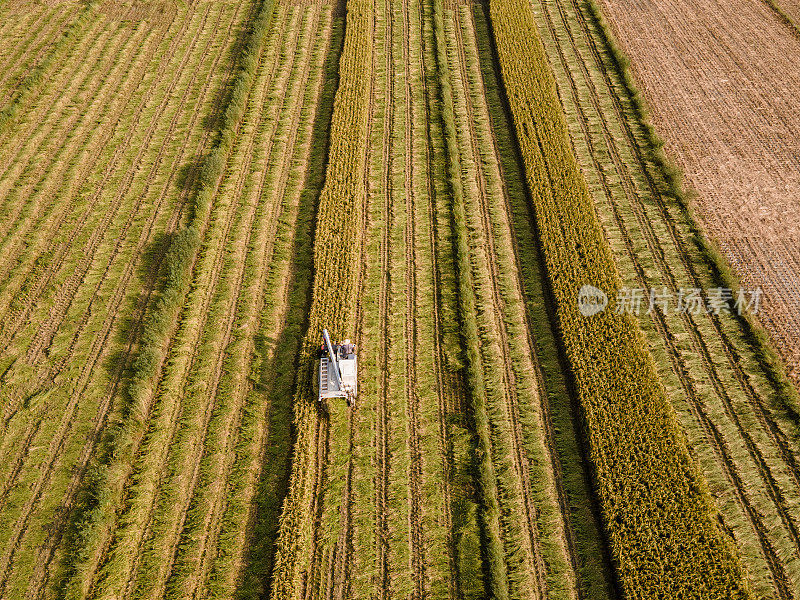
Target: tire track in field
{"points": [[382, 432], [311, 579], [536, 563], [101, 341], [19, 461], [67, 290], [699, 344], [712, 433], [213, 516], [172, 544], [416, 516], [339, 587]]}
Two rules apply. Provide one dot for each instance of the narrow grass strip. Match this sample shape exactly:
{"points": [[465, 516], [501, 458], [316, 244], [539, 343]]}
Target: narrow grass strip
{"points": [[493, 547]]}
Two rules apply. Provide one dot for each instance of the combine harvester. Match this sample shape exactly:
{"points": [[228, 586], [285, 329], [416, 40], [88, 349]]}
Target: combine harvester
{"points": [[338, 370]]}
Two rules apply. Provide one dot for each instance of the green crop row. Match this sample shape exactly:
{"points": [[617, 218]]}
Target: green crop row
{"points": [[337, 253], [658, 513], [490, 514]]}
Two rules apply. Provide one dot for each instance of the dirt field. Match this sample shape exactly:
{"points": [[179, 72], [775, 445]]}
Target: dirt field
{"points": [[791, 8], [722, 79]]}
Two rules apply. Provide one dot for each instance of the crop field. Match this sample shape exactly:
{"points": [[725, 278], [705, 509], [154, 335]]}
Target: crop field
{"points": [[191, 191], [379, 522], [729, 118], [728, 404]]}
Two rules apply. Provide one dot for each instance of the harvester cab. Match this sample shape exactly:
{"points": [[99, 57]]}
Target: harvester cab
{"points": [[338, 370]]}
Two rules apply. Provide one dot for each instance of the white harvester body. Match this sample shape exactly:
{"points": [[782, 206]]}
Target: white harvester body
{"points": [[338, 370]]}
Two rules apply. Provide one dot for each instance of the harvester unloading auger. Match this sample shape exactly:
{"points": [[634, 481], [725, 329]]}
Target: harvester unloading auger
{"points": [[338, 370]]}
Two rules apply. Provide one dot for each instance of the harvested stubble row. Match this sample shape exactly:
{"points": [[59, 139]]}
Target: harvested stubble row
{"points": [[657, 509], [90, 173], [191, 480]]}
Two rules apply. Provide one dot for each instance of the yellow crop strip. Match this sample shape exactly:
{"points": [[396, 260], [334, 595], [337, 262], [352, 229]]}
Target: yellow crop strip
{"points": [[337, 252], [659, 515]]}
